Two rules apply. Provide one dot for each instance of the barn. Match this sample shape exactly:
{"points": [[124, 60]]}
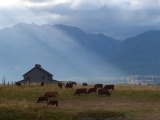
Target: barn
{"points": [[38, 74]]}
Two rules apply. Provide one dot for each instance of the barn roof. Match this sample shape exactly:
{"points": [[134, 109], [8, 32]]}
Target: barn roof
{"points": [[38, 66]]}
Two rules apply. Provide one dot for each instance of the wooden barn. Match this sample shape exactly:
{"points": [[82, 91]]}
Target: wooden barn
{"points": [[38, 74]]}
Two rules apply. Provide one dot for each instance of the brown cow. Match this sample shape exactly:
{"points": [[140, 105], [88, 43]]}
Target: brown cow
{"points": [[98, 86], [69, 85], [51, 94], [72, 82], [109, 87], [103, 91], [81, 91], [53, 102], [60, 85], [84, 84], [90, 90], [18, 84], [43, 98], [42, 84]]}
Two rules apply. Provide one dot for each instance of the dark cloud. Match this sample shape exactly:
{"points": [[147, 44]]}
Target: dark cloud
{"points": [[119, 19]]}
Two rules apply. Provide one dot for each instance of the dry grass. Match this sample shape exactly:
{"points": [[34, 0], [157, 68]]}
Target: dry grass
{"points": [[137, 102]]}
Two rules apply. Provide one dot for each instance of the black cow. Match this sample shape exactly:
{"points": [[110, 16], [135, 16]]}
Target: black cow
{"points": [[60, 85], [98, 86], [81, 91], [69, 85], [103, 91], [18, 84], [84, 84], [43, 98], [109, 87], [72, 82], [53, 102], [42, 84], [90, 90]]}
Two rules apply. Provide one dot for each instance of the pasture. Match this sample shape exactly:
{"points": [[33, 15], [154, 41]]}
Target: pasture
{"points": [[127, 102]]}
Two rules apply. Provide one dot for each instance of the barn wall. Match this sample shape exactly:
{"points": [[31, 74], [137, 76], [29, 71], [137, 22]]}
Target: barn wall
{"points": [[36, 76]]}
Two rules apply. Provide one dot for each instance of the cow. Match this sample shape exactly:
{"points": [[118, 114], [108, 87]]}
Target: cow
{"points": [[98, 86], [43, 98], [90, 90], [51, 94], [18, 84], [81, 91], [72, 82], [60, 85], [109, 87], [69, 85], [103, 91], [84, 84], [53, 102], [42, 84]]}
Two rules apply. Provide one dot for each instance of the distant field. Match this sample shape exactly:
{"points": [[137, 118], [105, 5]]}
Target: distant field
{"points": [[127, 102]]}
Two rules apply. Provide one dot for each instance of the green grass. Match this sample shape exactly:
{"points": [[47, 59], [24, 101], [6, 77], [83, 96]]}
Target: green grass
{"points": [[133, 102]]}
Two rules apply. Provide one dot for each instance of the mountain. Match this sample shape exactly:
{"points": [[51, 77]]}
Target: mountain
{"points": [[69, 53], [139, 55], [65, 51], [99, 43]]}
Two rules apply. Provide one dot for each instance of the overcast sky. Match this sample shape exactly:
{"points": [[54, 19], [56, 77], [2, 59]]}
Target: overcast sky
{"points": [[116, 18]]}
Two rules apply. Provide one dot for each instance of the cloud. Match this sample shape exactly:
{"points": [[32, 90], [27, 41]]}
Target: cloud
{"points": [[118, 18], [41, 3], [9, 3]]}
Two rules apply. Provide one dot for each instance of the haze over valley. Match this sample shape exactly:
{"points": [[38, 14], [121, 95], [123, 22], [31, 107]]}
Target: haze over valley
{"points": [[69, 53]]}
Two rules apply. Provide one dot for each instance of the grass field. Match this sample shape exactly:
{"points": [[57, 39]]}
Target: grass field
{"points": [[127, 102]]}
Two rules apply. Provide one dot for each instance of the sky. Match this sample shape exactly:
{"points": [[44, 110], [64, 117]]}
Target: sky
{"points": [[119, 19]]}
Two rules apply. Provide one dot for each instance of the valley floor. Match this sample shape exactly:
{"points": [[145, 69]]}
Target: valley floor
{"points": [[137, 102]]}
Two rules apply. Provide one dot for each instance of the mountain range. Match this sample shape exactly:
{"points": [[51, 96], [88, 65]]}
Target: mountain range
{"points": [[140, 54], [69, 53]]}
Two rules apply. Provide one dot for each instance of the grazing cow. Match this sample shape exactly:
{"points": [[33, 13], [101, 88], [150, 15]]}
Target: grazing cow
{"points": [[85, 84], [42, 83], [51, 94], [98, 86], [103, 91], [69, 85], [43, 98], [74, 83], [60, 85], [81, 91], [90, 90], [53, 102], [18, 84], [109, 87]]}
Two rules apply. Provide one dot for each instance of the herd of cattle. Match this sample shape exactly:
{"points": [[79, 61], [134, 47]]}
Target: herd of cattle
{"points": [[102, 90], [47, 96]]}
